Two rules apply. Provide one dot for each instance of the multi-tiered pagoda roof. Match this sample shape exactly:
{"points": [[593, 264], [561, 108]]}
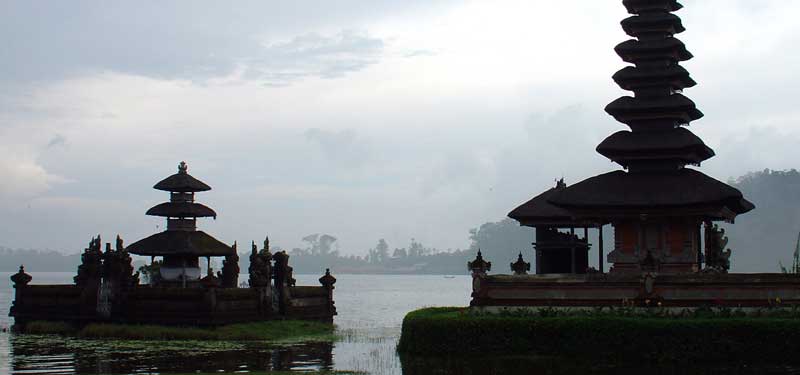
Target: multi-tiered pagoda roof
{"points": [[657, 147], [181, 237]]}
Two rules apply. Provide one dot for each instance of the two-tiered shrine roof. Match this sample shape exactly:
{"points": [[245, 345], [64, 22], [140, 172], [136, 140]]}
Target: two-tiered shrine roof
{"points": [[540, 212]]}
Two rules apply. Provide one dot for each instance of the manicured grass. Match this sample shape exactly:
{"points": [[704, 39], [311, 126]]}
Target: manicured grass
{"points": [[282, 331], [614, 335]]}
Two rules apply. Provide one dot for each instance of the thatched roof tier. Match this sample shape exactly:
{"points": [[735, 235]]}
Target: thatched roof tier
{"points": [[539, 211], [645, 6], [673, 190], [678, 144], [180, 243], [653, 23], [667, 49], [182, 182], [674, 77], [181, 209], [673, 110]]}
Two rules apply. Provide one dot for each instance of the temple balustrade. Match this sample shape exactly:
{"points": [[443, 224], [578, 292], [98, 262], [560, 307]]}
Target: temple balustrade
{"points": [[100, 295]]}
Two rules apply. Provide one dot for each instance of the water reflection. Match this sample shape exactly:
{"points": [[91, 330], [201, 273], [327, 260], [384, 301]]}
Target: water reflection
{"points": [[369, 354], [57, 355], [371, 309]]}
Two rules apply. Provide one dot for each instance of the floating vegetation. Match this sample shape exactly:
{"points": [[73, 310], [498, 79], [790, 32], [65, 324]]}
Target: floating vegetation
{"points": [[276, 331]]}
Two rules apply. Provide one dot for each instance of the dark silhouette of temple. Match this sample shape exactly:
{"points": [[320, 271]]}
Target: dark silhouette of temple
{"points": [[667, 251], [106, 288], [657, 205], [181, 244]]}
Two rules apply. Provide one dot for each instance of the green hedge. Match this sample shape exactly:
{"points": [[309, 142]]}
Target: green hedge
{"points": [[278, 331], [609, 336]]}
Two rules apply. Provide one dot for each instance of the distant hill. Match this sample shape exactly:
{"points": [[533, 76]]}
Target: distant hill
{"points": [[37, 260], [759, 239], [763, 237]]}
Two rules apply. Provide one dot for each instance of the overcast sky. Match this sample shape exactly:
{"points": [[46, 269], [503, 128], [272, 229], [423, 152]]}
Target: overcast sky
{"points": [[362, 119]]}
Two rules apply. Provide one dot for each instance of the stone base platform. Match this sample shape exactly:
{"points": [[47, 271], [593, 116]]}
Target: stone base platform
{"points": [[643, 290]]}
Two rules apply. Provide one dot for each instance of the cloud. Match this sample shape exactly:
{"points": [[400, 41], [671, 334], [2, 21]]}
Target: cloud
{"points": [[57, 140], [314, 55], [23, 178], [170, 41], [420, 53], [341, 146]]}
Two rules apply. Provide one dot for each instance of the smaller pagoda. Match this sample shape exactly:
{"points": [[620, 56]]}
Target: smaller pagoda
{"points": [[181, 244]]}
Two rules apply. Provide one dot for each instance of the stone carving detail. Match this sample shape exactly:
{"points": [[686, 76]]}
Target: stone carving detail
{"points": [[260, 268], [91, 268], [284, 273], [21, 278], [717, 257], [478, 267], [230, 269], [118, 266], [520, 267]]}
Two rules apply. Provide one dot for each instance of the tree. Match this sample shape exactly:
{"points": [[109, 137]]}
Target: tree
{"points": [[415, 249], [382, 250], [760, 237], [501, 240], [319, 244], [399, 253]]}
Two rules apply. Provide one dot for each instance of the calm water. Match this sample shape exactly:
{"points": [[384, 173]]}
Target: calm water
{"points": [[371, 309]]}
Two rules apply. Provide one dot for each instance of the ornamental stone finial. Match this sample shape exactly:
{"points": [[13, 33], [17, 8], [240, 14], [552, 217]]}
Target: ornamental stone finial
{"points": [[183, 167], [327, 280], [479, 266], [21, 278], [520, 267]]}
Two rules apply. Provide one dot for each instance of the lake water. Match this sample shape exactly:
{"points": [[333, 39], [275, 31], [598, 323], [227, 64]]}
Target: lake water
{"points": [[370, 307]]}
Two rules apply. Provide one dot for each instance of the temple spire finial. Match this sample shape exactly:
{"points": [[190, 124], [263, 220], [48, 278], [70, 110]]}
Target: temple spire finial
{"points": [[183, 167]]}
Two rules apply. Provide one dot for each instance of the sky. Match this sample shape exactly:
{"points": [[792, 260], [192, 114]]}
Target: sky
{"points": [[361, 119]]}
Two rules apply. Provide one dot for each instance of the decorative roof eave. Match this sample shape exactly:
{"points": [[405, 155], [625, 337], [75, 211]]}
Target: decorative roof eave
{"points": [[678, 143], [666, 23], [669, 49], [181, 209], [718, 212], [576, 222], [181, 182], [632, 78], [644, 6], [193, 243], [676, 106], [538, 211], [676, 191]]}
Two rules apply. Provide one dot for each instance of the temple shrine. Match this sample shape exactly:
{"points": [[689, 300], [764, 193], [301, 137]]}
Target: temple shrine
{"points": [[656, 205], [666, 245], [181, 244], [107, 289]]}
